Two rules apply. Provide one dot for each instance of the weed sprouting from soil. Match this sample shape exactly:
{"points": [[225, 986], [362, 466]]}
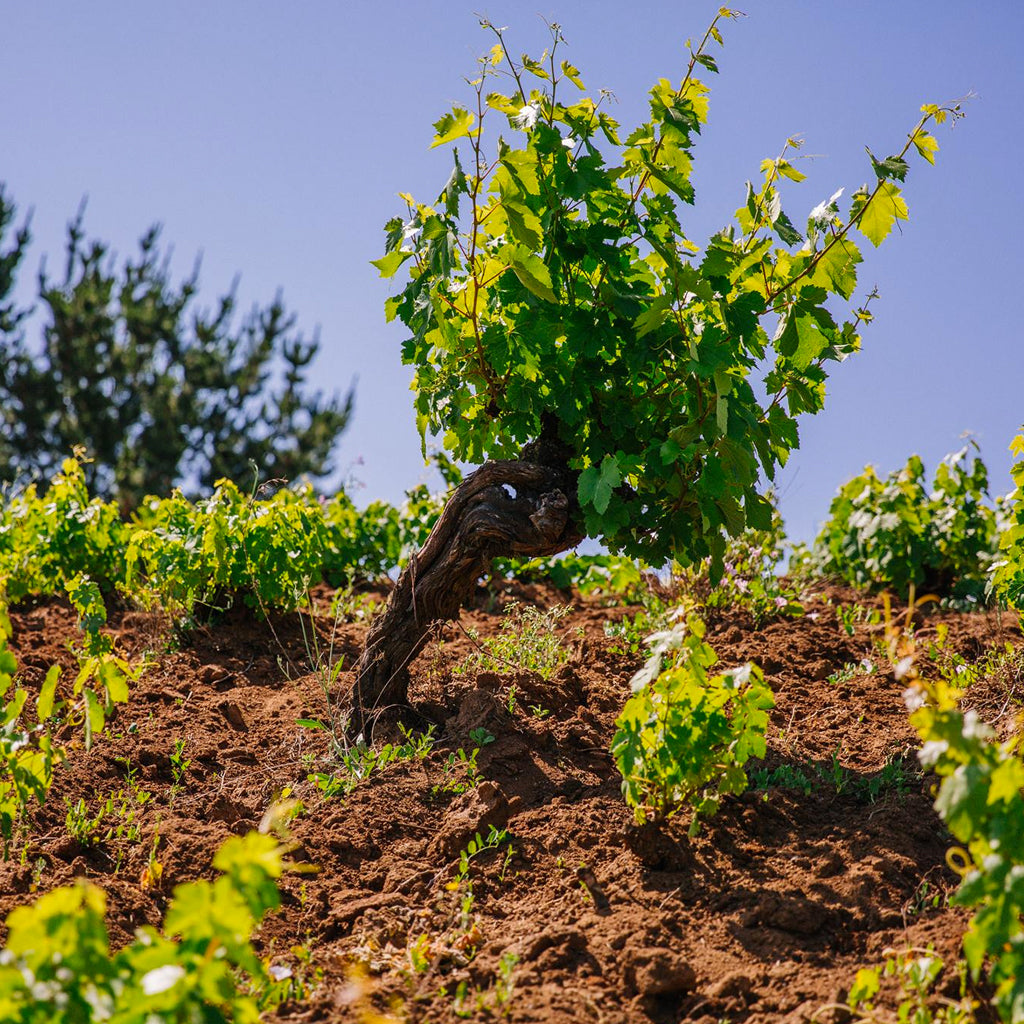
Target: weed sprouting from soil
{"points": [[115, 823], [527, 640], [359, 761], [915, 975]]}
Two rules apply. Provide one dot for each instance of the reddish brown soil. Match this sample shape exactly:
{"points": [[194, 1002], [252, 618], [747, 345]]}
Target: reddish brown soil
{"points": [[766, 916]]}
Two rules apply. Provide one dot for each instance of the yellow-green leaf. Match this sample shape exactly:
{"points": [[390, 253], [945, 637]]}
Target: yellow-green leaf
{"points": [[927, 145], [879, 212], [452, 126], [44, 706], [116, 684], [1006, 782], [387, 265], [572, 73], [94, 717], [787, 170]]}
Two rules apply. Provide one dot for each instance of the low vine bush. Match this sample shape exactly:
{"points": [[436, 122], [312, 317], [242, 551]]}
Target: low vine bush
{"points": [[182, 553], [920, 975], [611, 575], [47, 539], [981, 800], [684, 736], [103, 675], [899, 532], [1008, 571], [28, 753], [188, 553], [750, 582], [57, 964]]}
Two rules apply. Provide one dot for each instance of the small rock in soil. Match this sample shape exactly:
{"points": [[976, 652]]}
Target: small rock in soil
{"points": [[819, 669], [556, 936], [350, 904], [216, 676], [489, 681], [225, 809]]}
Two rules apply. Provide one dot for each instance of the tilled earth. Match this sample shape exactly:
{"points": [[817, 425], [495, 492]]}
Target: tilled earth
{"points": [[832, 856]]}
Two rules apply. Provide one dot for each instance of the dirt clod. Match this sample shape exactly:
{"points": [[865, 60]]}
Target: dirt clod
{"points": [[233, 714], [658, 971], [471, 813], [795, 914]]}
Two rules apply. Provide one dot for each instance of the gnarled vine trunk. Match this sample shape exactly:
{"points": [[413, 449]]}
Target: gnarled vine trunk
{"points": [[525, 508]]}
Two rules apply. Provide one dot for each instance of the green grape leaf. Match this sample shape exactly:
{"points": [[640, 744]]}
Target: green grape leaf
{"points": [[523, 224], [597, 483], [786, 230], [389, 264], [927, 145], [1006, 782], [452, 126], [44, 705], [880, 212], [891, 168], [533, 275], [962, 799]]}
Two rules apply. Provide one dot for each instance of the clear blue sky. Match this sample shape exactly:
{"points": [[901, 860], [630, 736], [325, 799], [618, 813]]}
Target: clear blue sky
{"points": [[273, 137]]}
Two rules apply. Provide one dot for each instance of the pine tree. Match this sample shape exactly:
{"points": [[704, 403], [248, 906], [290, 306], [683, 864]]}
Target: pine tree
{"points": [[160, 391]]}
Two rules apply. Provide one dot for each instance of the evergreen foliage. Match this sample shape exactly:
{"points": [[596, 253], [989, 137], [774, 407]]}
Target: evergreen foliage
{"points": [[158, 389]]}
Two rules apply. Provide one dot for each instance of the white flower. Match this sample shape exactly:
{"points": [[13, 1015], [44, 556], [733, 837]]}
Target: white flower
{"points": [[737, 677], [527, 116], [570, 143], [160, 979], [279, 972]]}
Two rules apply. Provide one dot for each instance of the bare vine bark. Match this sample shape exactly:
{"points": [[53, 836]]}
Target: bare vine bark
{"points": [[526, 508]]}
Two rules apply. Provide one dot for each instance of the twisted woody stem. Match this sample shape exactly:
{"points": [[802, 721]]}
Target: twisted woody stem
{"points": [[521, 508]]}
